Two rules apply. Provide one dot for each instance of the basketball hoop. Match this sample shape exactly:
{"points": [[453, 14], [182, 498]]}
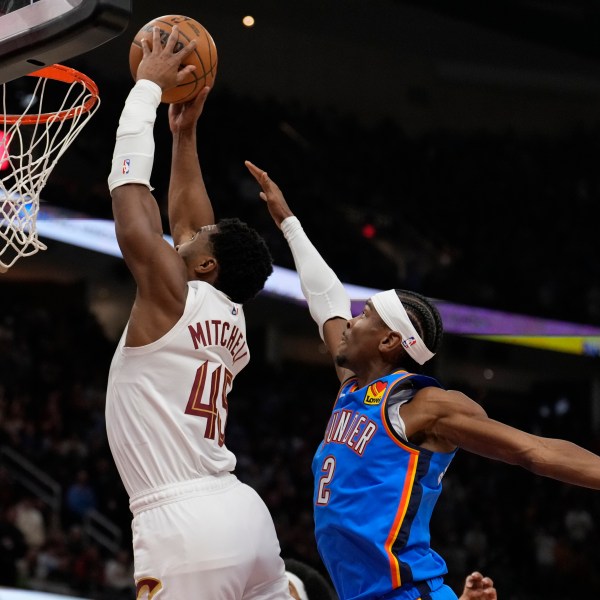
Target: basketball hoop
{"points": [[37, 126]]}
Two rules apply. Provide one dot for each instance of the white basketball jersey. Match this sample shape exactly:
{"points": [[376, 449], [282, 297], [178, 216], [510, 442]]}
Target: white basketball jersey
{"points": [[166, 403]]}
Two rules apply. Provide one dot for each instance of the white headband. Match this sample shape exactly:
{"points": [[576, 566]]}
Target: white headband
{"points": [[297, 583], [393, 314]]}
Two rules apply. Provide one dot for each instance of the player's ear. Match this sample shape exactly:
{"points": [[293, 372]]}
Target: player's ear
{"points": [[206, 265], [391, 342]]}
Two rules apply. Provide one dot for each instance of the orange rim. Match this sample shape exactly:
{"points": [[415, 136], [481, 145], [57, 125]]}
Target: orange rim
{"points": [[66, 75]]}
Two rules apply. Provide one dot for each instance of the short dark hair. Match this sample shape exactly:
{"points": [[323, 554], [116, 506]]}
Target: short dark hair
{"points": [[244, 260], [426, 319], [317, 587]]}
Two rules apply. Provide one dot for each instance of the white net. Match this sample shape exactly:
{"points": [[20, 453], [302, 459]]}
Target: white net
{"points": [[32, 141]]}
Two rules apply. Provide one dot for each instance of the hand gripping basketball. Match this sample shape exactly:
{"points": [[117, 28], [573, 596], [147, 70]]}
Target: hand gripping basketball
{"points": [[162, 64], [204, 55]]}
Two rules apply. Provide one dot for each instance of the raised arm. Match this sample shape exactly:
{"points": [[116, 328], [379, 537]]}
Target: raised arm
{"points": [[159, 272], [328, 302], [189, 205]]}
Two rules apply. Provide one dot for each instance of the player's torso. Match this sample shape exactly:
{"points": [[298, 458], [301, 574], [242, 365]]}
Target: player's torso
{"points": [[374, 494], [166, 402]]}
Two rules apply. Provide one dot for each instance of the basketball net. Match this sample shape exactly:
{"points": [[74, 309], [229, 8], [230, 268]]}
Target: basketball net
{"points": [[32, 143]]}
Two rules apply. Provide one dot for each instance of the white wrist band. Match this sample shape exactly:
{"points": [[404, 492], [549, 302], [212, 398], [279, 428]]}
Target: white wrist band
{"points": [[321, 287], [133, 156]]}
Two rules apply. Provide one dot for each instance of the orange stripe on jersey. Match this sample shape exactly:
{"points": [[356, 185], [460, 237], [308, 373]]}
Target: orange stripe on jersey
{"points": [[384, 420], [406, 491], [344, 383], [399, 519]]}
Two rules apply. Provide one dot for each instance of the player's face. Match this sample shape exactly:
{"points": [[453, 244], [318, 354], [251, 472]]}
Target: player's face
{"points": [[198, 245], [360, 340]]}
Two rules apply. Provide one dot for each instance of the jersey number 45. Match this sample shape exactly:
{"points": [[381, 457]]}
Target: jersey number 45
{"points": [[205, 399]]}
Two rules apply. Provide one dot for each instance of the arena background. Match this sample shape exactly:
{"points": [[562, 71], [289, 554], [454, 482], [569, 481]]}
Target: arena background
{"points": [[452, 151]]}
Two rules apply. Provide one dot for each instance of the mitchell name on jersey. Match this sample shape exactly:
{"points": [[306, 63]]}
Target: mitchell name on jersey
{"points": [[219, 333]]}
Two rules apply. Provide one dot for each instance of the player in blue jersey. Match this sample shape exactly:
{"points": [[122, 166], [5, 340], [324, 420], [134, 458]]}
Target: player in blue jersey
{"points": [[393, 433]]}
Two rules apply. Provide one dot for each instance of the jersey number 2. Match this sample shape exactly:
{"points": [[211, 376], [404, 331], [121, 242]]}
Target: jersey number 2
{"points": [[323, 491], [204, 398]]}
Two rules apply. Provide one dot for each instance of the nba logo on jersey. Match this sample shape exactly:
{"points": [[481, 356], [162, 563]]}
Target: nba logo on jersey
{"points": [[408, 342], [375, 393], [234, 310], [126, 164]]}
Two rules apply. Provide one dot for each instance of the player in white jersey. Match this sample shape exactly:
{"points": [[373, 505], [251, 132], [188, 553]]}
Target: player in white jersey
{"points": [[198, 533]]}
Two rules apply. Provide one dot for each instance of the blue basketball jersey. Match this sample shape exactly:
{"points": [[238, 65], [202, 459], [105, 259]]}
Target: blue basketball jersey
{"points": [[374, 496]]}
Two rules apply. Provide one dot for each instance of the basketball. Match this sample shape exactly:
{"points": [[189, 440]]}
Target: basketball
{"points": [[204, 56]]}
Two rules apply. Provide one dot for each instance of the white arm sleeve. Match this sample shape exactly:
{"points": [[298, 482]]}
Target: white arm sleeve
{"points": [[321, 287], [134, 149]]}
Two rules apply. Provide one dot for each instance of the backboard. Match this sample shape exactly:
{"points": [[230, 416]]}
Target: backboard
{"points": [[37, 33]]}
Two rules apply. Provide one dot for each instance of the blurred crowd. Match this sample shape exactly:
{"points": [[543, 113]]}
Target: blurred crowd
{"points": [[498, 221]]}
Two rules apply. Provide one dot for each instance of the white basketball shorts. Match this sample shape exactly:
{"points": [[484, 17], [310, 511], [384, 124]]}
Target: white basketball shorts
{"points": [[209, 539]]}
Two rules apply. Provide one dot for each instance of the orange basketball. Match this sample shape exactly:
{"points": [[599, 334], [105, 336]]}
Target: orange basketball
{"points": [[204, 56]]}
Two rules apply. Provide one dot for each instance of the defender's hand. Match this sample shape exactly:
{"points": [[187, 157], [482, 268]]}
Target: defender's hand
{"points": [[184, 115], [478, 587], [271, 194]]}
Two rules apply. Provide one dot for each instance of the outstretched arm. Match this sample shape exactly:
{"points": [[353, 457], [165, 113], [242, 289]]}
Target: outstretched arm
{"points": [[452, 418], [189, 205], [478, 587], [328, 302], [158, 270]]}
